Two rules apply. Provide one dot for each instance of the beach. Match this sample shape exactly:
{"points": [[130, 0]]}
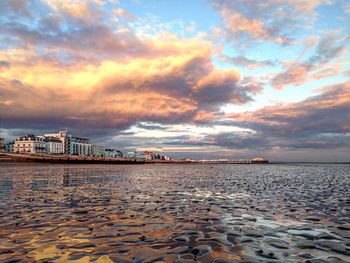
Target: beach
{"points": [[174, 213]]}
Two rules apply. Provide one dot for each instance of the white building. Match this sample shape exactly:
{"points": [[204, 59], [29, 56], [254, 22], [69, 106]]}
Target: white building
{"points": [[2, 144], [79, 146], [54, 146], [73, 145], [98, 151], [113, 153], [131, 154], [9, 146], [149, 155], [166, 158], [63, 137], [30, 144]]}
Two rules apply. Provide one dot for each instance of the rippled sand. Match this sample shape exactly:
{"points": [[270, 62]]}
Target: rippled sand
{"points": [[174, 213]]}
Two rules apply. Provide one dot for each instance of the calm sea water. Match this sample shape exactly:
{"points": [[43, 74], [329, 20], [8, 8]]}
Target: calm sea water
{"points": [[174, 213]]}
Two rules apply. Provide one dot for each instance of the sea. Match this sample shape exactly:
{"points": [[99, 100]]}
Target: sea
{"points": [[175, 213]]}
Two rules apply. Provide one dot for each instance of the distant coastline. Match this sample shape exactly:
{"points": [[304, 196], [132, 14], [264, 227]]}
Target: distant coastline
{"points": [[72, 159]]}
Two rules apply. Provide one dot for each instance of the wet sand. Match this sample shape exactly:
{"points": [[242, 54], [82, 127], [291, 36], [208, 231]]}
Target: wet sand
{"points": [[174, 213]]}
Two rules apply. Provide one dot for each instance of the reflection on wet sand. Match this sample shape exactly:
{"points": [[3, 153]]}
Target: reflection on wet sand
{"points": [[174, 213]]}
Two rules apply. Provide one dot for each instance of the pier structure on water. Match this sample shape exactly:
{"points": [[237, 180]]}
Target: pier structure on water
{"points": [[240, 161]]}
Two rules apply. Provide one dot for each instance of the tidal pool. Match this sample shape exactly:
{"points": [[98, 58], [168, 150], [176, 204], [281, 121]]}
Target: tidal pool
{"points": [[175, 213]]}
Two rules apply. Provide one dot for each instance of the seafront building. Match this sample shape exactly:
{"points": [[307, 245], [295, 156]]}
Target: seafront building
{"points": [[131, 154], [113, 153], [98, 151], [79, 146], [62, 136], [72, 145], [30, 144], [9, 146], [149, 155], [2, 144], [54, 145], [60, 142]]}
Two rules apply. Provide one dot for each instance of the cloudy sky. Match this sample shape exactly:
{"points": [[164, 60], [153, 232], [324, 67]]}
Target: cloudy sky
{"points": [[198, 78]]}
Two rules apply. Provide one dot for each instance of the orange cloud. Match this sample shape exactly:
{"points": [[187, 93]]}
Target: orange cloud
{"points": [[217, 78], [117, 93], [295, 74], [237, 22], [270, 20], [321, 65], [84, 10], [123, 13], [73, 67]]}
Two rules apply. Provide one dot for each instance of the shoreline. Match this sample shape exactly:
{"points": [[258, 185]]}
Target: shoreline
{"points": [[70, 159], [63, 159]]}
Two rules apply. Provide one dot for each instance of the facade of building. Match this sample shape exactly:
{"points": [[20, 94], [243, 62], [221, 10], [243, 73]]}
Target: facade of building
{"points": [[73, 145], [30, 144], [98, 151], [2, 144], [60, 143], [149, 155], [165, 158], [79, 146], [131, 154], [9, 146], [120, 154], [113, 153], [54, 145], [63, 137]]}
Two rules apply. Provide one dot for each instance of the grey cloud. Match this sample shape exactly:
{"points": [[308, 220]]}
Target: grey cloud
{"points": [[182, 82], [317, 122], [239, 141], [329, 48], [210, 97], [20, 7], [96, 38], [151, 126], [246, 62], [4, 64], [252, 20]]}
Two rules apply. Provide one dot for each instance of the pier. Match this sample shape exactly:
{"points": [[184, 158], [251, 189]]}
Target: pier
{"points": [[240, 161]]}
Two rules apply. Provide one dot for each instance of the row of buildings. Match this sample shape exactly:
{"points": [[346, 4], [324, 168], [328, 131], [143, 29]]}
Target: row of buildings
{"points": [[63, 143], [147, 155], [58, 143]]}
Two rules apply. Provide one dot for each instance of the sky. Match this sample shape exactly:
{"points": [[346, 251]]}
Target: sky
{"points": [[197, 79]]}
